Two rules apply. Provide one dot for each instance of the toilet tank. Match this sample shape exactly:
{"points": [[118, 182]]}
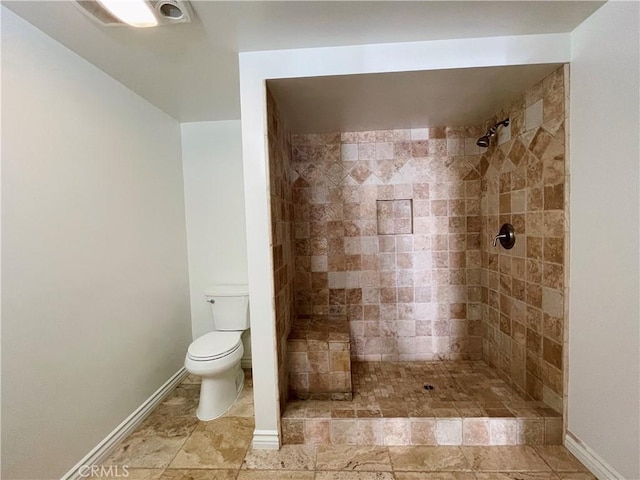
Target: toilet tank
{"points": [[229, 306]]}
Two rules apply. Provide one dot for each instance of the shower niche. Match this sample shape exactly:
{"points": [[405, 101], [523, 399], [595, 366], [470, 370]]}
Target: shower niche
{"points": [[384, 210]]}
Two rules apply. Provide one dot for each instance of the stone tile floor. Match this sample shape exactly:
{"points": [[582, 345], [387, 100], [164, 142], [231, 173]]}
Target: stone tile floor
{"points": [[173, 445], [468, 405], [461, 389]]}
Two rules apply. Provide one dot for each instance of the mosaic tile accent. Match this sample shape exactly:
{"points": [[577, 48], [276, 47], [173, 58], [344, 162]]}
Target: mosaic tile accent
{"points": [[523, 183]]}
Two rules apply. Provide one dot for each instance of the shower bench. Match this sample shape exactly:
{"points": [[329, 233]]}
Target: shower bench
{"points": [[318, 358]]}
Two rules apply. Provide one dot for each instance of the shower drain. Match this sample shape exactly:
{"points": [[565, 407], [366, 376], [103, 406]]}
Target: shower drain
{"points": [[427, 386]]}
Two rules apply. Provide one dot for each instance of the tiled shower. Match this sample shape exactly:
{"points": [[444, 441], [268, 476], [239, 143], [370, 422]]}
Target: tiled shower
{"points": [[388, 234]]}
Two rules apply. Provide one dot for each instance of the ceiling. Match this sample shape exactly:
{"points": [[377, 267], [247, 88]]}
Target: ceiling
{"points": [[351, 103], [191, 71]]}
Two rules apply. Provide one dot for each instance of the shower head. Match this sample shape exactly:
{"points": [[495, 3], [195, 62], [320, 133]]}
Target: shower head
{"points": [[485, 140]]}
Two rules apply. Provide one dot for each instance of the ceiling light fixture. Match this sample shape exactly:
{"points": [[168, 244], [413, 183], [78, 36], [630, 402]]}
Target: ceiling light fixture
{"points": [[136, 13]]}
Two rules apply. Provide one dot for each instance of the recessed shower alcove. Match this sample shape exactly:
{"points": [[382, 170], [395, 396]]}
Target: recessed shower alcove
{"points": [[384, 212]]}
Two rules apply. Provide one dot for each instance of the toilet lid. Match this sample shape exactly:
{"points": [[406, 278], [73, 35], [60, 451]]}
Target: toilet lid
{"points": [[214, 345]]}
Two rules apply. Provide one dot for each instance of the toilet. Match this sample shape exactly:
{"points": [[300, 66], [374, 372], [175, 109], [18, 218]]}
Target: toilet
{"points": [[216, 356]]}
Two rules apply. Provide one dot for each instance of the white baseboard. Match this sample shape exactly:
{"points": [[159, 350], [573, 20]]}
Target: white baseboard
{"points": [[266, 440], [245, 363], [106, 446], [590, 459]]}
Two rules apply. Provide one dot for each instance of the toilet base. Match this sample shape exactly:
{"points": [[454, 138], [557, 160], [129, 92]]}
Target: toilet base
{"points": [[218, 393]]}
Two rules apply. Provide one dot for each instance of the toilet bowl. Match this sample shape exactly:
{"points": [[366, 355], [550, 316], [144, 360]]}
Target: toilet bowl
{"points": [[216, 356]]}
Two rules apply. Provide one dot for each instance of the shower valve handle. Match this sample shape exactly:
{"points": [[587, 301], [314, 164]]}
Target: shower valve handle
{"points": [[498, 237], [507, 237]]}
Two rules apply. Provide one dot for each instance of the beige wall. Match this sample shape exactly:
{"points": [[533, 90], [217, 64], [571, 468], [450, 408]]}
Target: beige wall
{"points": [[523, 183], [95, 300], [214, 198], [604, 323]]}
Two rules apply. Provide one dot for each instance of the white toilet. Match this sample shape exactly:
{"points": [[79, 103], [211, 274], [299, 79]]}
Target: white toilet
{"points": [[216, 356]]}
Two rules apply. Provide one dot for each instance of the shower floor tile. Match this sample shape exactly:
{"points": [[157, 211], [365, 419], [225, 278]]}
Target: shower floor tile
{"points": [[467, 402]]}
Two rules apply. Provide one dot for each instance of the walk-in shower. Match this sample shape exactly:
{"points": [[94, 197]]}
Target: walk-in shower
{"points": [[399, 322]]}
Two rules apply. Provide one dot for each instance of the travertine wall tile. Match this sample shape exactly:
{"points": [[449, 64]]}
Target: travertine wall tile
{"points": [[390, 217], [283, 235], [523, 183]]}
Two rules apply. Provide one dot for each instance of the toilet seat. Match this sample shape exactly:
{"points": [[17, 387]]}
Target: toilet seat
{"points": [[214, 345]]}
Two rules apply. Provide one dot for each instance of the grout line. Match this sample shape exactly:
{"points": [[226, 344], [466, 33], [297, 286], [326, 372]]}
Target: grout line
{"points": [[181, 446]]}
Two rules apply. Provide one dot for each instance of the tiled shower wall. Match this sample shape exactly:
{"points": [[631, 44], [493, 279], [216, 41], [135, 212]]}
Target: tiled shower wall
{"points": [[280, 178], [387, 232], [523, 183]]}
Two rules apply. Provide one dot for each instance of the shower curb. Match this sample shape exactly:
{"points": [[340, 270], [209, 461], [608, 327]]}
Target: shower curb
{"points": [[408, 431]]}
